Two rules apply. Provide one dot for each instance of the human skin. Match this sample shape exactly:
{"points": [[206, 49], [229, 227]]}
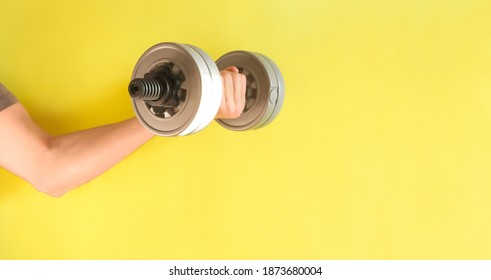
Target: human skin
{"points": [[56, 164]]}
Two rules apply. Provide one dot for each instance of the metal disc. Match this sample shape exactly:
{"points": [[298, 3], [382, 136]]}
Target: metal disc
{"points": [[265, 91], [199, 93]]}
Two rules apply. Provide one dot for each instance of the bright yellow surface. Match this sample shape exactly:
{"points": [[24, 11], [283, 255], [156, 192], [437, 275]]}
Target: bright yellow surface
{"points": [[382, 149]]}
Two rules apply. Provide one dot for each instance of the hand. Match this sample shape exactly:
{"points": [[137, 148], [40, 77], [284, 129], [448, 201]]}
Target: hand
{"points": [[234, 91]]}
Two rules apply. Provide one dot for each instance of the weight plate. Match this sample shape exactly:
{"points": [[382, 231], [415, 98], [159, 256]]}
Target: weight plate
{"points": [[265, 91], [210, 109], [199, 94]]}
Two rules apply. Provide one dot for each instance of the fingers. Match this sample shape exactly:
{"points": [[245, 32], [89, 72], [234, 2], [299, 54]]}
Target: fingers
{"points": [[229, 92], [239, 92], [233, 97]]}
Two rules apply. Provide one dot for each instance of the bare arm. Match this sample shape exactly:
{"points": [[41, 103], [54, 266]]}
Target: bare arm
{"points": [[56, 164]]}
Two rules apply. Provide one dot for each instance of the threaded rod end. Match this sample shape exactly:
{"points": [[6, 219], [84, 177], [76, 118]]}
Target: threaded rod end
{"points": [[146, 89]]}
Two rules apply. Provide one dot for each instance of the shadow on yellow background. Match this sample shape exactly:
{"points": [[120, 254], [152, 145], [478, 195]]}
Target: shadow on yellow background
{"points": [[381, 150]]}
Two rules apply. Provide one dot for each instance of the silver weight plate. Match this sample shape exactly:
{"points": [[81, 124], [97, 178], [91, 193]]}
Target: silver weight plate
{"points": [[199, 94], [265, 90]]}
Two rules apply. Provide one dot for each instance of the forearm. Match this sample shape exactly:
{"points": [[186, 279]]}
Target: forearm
{"points": [[57, 164], [76, 158]]}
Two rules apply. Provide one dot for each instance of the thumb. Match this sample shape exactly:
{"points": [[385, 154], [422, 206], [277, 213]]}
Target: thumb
{"points": [[232, 69]]}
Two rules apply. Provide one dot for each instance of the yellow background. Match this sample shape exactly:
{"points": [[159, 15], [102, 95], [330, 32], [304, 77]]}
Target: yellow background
{"points": [[382, 149]]}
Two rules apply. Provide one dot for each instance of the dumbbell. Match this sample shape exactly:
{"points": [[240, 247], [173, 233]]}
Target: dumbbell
{"points": [[176, 89]]}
